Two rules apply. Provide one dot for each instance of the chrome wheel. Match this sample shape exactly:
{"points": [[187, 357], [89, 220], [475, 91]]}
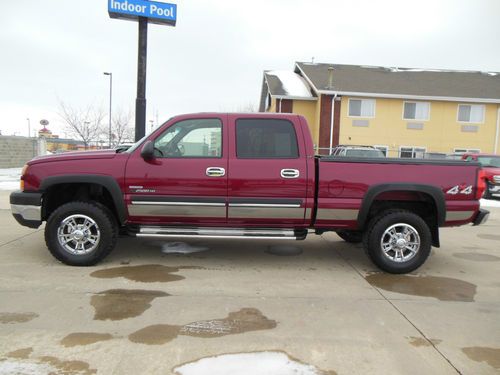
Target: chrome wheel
{"points": [[78, 234], [400, 242]]}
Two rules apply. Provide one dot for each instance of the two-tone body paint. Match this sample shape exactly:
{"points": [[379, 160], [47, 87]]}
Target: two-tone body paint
{"points": [[343, 186], [177, 191]]}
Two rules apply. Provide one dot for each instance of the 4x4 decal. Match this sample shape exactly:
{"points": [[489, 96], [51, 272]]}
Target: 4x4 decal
{"points": [[460, 189]]}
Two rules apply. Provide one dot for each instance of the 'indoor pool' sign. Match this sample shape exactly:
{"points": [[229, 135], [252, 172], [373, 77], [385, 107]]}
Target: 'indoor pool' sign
{"points": [[154, 11]]}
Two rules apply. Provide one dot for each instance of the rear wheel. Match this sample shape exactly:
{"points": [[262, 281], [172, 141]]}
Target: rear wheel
{"points": [[81, 233], [397, 241], [350, 236]]}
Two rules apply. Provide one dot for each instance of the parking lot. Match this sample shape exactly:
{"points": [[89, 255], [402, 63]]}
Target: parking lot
{"points": [[323, 308]]}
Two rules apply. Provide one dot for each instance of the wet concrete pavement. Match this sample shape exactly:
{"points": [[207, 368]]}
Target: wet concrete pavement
{"points": [[143, 311]]}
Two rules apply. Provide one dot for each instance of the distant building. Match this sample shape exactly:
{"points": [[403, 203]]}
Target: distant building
{"points": [[405, 112]]}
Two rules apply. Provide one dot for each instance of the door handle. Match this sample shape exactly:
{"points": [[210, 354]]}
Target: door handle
{"points": [[290, 173], [215, 172]]}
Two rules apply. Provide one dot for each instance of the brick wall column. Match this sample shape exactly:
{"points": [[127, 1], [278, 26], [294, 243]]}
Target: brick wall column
{"points": [[325, 122]]}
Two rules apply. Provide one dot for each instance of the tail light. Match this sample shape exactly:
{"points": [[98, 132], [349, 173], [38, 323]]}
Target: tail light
{"points": [[481, 184]]}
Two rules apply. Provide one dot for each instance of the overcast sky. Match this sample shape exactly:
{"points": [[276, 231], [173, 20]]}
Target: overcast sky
{"points": [[213, 59]]}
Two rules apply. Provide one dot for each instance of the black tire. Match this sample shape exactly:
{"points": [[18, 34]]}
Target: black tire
{"points": [[104, 228], [350, 236], [376, 232]]}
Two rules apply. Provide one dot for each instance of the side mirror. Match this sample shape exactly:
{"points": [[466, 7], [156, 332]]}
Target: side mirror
{"points": [[148, 151]]}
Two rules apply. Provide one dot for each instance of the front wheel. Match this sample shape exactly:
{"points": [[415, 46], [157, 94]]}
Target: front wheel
{"points": [[397, 241], [81, 233]]}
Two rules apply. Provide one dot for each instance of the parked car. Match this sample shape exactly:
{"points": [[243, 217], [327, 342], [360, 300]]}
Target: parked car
{"points": [[357, 151], [250, 176], [491, 167]]}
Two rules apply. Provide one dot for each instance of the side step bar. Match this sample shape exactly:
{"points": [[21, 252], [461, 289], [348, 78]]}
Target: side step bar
{"points": [[281, 234]]}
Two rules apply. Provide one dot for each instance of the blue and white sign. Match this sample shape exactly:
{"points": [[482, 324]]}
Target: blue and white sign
{"points": [[154, 11]]}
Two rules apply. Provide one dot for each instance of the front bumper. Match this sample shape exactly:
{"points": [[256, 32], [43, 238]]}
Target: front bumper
{"points": [[482, 217], [27, 208], [494, 189]]}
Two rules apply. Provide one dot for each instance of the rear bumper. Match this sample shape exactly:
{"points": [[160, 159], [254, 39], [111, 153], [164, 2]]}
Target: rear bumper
{"points": [[26, 208], [482, 217]]}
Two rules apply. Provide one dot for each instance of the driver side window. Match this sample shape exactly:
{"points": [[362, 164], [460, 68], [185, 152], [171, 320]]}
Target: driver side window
{"points": [[196, 138]]}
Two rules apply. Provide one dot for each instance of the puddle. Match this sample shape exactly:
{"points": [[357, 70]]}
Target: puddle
{"points": [[157, 334], [84, 338], [477, 257], [244, 320], [118, 304], [149, 273], [68, 367], [494, 237], [284, 250], [23, 353], [257, 363], [420, 341], [441, 288], [482, 354], [7, 318]]}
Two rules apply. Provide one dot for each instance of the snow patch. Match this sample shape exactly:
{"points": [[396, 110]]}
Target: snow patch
{"points": [[293, 84], [9, 178], [260, 363], [25, 368], [490, 203]]}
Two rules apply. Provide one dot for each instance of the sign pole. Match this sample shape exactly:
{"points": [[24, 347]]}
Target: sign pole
{"points": [[140, 101], [144, 12]]}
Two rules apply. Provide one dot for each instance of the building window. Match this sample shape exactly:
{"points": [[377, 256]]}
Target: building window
{"points": [[466, 150], [416, 111], [265, 138], [362, 107], [471, 113], [412, 152]]}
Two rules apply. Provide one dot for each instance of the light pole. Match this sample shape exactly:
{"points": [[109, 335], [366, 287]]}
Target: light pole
{"points": [[29, 127], [110, 101]]}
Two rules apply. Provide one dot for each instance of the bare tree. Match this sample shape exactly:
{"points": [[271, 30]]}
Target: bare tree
{"points": [[121, 127], [84, 123]]}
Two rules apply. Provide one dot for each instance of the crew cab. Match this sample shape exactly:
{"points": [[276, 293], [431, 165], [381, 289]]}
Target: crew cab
{"points": [[491, 168], [248, 176]]}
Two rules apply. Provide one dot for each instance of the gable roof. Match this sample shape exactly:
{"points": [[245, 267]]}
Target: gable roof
{"points": [[378, 81], [284, 84]]}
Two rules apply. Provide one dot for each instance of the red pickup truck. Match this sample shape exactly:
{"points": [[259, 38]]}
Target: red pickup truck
{"points": [[491, 168], [247, 176]]}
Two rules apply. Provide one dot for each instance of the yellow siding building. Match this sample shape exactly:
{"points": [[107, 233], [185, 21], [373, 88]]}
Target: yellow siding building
{"points": [[405, 112]]}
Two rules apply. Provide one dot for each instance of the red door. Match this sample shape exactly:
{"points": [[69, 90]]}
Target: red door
{"points": [[186, 182], [268, 176]]}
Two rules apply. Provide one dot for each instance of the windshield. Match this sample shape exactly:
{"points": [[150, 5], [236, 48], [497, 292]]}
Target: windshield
{"points": [[489, 161], [365, 153]]}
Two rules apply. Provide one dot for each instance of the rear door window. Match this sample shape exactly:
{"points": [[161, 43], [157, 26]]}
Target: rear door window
{"points": [[266, 139]]}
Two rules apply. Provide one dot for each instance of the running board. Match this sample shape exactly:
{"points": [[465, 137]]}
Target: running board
{"points": [[280, 234]]}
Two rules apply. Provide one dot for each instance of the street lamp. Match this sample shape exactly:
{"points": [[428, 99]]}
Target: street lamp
{"points": [[110, 101], [29, 127]]}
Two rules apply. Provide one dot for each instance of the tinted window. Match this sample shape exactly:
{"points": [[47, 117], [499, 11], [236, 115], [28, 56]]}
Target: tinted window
{"points": [[265, 138], [197, 138]]}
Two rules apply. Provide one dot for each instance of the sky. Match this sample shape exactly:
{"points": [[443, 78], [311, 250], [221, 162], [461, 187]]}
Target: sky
{"points": [[55, 51]]}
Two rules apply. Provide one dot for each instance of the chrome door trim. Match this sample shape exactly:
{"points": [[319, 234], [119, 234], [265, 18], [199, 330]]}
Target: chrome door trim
{"points": [[149, 203], [215, 172], [290, 173], [264, 205]]}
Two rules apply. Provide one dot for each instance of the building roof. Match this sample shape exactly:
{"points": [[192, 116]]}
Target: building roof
{"points": [[379, 81], [284, 84]]}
